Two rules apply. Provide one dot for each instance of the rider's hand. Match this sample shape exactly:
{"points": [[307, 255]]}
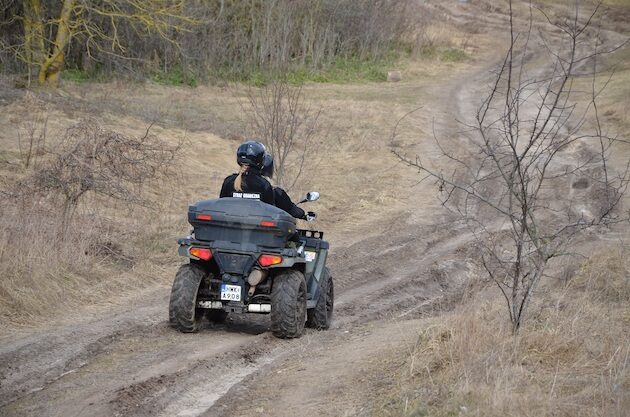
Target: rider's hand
{"points": [[311, 216]]}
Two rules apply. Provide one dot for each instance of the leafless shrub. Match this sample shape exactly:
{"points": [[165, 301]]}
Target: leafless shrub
{"points": [[286, 124], [96, 160], [539, 160], [32, 134], [277, 34]]}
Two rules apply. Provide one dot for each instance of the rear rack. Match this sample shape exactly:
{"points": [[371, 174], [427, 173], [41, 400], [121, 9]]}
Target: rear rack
{"points": [[312, 239]]}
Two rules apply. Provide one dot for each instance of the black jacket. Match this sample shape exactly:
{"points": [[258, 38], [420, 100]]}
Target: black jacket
{"points": [[284, 202], [254, 186]]}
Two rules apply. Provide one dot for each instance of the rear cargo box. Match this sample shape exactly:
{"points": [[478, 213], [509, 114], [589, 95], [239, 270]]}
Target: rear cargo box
{"points": [[240, 220]]}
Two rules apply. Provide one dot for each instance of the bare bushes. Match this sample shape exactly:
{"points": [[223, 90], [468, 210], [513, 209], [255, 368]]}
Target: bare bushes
{"points": [[32, 135], [62, 232], [101, 162], [279, 116], [570, 359], [236, 38], [534, 135]]}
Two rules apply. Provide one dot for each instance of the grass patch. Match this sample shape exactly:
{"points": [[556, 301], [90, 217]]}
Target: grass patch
{"points": [[77, 75], [176, 76], [339, 71], [443, 54], [344, 70]]}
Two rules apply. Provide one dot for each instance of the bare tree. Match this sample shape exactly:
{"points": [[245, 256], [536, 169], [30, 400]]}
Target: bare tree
{"points": [[286, 124], [537, 170], [49, 29], [92, 159]]}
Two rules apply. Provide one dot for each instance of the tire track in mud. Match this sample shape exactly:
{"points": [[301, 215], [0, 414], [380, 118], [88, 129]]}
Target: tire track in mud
{"points": [[201, 384], [32, 363]]}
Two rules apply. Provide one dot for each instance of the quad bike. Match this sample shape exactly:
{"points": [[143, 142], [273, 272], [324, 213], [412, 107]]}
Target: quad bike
{"points": [[247, 256]]}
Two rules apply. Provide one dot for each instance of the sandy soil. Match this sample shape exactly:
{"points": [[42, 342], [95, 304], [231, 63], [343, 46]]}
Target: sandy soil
{"points": [[406, 261]]}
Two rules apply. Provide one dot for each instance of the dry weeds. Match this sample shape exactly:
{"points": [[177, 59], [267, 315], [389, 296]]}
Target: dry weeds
{"points": [[571, 359], [50, 265]]}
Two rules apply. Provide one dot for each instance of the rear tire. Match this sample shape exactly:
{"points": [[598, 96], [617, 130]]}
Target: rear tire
{"points": [[288, 304], [182, 310], [320, 317]]}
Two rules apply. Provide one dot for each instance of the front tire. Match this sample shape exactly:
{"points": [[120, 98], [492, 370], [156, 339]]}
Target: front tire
{"points": [[182, 310], [288, 304], [320, 317]]}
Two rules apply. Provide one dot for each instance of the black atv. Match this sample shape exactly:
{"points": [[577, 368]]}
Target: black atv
{"points": [[247, 256]]}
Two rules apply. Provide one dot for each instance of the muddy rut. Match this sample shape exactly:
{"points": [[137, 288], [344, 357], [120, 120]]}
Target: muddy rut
{"points": [[129, 362]]}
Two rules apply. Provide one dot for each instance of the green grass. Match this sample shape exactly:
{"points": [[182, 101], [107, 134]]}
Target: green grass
{"points": [[339, 71], [176, 76], [344, 71], [78, 76], [444, 54]]}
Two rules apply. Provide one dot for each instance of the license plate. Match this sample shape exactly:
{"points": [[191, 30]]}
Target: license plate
{"points": [[310, 256], [230, 292]]}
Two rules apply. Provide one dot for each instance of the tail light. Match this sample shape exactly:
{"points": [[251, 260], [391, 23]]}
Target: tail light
{"points": [[205, 217], [201, 253], [268, 260], [267, 223]]}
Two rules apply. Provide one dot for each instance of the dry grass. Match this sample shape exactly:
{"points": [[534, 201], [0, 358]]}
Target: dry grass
{"points": [[110, 248], [571, 359], [45, 273]]}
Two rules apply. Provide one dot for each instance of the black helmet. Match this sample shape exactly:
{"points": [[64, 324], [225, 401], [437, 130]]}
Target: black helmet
{"points": [[267, 169], [251, 153]]}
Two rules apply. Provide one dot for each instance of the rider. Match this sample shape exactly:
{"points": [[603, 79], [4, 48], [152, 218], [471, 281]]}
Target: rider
{"points": [[282, 199], [248, 182]]}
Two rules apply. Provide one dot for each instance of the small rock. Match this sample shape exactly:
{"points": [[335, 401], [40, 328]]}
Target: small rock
{"points": [[394, 76]]}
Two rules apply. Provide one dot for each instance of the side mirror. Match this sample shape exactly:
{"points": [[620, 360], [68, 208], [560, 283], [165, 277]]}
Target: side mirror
{"points": [[312, 196]]}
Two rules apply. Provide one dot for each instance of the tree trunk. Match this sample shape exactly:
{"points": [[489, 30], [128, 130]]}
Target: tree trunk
{"points": [[50, 70], [34, 41]]}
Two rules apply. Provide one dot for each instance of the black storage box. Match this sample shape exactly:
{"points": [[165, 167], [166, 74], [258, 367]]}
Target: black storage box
{"points": [[241, 220]]}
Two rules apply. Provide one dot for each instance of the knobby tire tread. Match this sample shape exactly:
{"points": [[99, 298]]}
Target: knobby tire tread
{"points": [[183, 314], [318, 317], [288, 304]]}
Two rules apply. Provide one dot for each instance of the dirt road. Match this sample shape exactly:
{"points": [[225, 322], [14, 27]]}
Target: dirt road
{"points": [[128, 361]]}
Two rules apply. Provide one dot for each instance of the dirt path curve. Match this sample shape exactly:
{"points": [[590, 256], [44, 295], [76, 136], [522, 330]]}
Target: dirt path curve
{"points": [[131, 363]]}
